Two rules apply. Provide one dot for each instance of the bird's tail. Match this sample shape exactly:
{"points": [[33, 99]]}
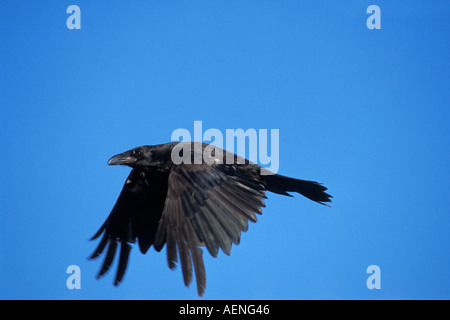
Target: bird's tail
{"points": [[310, 189]]}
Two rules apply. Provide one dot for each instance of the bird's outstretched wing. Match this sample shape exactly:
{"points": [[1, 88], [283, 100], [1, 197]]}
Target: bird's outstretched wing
{"points": [[134, 216], [206, 205]]}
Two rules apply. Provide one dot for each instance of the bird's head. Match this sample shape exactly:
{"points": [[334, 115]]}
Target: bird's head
{"points": [[136, 157]]}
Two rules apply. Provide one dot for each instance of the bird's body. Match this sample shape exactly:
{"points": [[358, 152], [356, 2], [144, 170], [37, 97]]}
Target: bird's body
{"points": [[205, 200]]}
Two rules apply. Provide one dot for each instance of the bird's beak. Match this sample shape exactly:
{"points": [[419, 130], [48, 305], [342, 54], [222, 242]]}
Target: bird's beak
{"points": [[121, 159]]}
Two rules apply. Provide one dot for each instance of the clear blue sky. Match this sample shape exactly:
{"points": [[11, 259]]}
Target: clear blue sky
{"points": [[366, 112]]}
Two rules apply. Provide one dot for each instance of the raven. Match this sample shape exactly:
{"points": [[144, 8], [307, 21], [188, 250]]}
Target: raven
{"points": [[189, 204]]}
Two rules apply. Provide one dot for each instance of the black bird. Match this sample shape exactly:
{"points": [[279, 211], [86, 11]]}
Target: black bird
{"points": [[206, 202]]}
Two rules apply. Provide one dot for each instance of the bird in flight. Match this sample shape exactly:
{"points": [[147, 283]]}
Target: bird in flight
{"points": [[188, 205]]}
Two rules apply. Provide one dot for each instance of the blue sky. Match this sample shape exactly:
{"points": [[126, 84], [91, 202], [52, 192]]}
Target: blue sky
{"points": [[366, 112]]}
